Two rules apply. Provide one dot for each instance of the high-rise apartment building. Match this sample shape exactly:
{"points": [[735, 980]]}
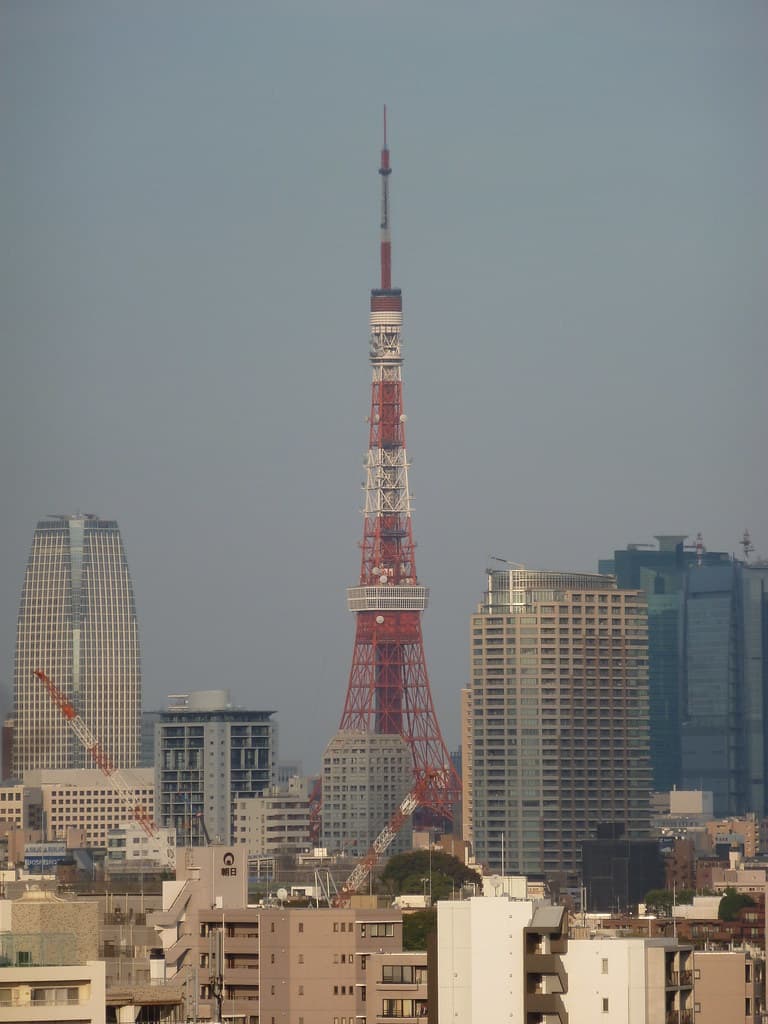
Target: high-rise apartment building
{"points": [[77, 622], [661, 572], [554, 719], [724, 666], [208, 755], [365, 778]]}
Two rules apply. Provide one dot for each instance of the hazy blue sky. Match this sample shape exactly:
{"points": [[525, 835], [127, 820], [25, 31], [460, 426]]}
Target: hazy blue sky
{"points": [[189, 218]]}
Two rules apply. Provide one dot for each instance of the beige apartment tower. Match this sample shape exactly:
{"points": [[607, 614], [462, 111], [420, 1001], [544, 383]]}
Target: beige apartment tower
{"points": [[554, 719]]}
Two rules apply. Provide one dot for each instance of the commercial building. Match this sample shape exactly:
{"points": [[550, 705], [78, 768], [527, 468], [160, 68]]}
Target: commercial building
{"points": [[554, 719], [661, 573], [365, 778], [724, 731], [77, 622], [208, 755], [85, 799]]}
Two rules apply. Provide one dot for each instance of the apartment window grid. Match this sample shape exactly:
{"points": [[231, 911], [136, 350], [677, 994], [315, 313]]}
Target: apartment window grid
{"points": [[560, 677]]}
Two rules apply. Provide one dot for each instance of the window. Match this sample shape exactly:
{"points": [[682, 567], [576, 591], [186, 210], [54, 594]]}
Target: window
{"points": [[605, 965], [382, 929], [301, 990], [605, 1004], [301, 926]]}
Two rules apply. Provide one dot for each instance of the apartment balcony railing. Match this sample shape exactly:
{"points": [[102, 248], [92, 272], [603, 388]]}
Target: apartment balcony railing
{"points": [[679, 1017]]}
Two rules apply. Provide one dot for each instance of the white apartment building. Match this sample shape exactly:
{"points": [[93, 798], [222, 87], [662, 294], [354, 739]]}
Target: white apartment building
{"points": [[629, 981], [499, 961], [130, 844]]}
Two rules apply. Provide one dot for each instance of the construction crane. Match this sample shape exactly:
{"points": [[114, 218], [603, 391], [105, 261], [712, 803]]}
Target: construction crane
{"points": [[120, 784], [423, 788]]}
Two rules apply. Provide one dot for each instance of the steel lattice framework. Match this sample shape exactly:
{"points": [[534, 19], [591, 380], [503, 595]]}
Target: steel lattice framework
{"points": [[389, 689]]}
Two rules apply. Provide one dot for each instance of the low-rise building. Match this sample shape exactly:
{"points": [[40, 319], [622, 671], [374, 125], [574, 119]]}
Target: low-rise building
{"points": [[49, 953], [130, 845], [53, 993]]}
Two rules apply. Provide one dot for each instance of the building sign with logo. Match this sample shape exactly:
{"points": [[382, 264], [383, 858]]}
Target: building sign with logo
{"points": [[43, 856]]}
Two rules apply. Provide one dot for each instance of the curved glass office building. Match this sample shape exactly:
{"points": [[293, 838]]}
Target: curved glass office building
{"points": [[77, 622]]}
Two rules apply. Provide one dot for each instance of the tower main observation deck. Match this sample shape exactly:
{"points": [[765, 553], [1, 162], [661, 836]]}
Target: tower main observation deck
{"points": [[388, 690]]}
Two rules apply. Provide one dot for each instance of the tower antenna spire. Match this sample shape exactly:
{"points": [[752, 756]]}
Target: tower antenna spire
{"points": [[386, 241]]}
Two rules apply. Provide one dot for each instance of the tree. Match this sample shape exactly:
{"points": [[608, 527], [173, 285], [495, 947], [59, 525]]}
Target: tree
{"points": [[417, 924], [414, 872], [661, 901], [731, 903]]}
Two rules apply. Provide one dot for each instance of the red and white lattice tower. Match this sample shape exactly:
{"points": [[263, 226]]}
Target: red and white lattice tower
{"points": [[388, 684]]}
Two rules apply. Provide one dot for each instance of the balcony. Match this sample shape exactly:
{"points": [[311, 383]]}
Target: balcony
{"points": [[548, 1006], [679, 979]]}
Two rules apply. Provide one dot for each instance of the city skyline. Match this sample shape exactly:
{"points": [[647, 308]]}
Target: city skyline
{"points": [[581, 232]]}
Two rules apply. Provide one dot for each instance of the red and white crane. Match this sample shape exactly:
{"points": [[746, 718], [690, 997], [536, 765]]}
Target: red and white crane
{"points": [[119, 782]]}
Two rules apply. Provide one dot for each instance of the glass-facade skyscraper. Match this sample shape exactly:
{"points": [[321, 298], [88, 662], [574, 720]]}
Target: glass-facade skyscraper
{"points": [[661, 573], [724, 663], [77, 622]]}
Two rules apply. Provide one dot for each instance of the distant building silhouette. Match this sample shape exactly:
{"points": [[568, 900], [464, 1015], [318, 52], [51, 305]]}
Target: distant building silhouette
{"points": [[77, 622]]}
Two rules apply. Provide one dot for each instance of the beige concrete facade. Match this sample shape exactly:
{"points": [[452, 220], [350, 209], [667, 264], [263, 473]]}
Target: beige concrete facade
{"points": [[273, 824], [281, 964], [729, 987]]}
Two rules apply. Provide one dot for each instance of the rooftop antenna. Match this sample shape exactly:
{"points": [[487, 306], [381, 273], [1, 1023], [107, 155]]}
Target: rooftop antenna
{"points": [[700, 549]]}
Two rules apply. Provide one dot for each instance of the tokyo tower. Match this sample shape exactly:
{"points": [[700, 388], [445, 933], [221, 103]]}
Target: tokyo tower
{"points": [[388, 690]]}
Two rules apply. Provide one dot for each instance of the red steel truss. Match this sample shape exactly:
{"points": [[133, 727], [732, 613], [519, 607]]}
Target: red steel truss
{"points": [[388, 690]]}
